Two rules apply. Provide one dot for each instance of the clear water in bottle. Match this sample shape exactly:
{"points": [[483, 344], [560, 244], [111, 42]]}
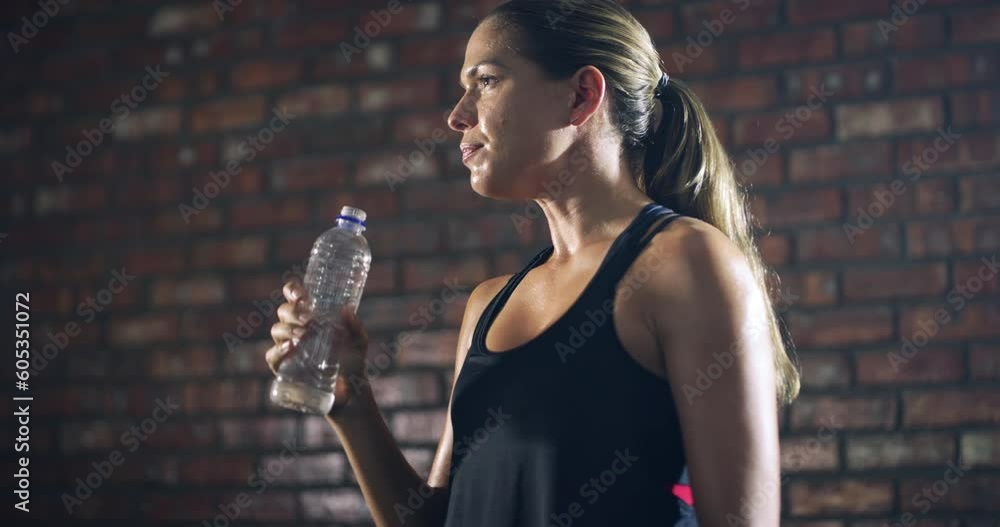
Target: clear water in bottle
{"points": [[335, 277]]}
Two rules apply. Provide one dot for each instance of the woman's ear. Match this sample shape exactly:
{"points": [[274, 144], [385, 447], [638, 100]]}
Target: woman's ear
{"points": [[588, 92]]}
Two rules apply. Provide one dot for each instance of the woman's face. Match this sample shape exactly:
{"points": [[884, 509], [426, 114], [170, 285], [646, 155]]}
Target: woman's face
{"points": [[520, 118]]}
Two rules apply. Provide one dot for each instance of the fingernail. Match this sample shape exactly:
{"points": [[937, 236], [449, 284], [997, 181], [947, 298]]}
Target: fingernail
{"points": [[285, 345], [295, 341]]}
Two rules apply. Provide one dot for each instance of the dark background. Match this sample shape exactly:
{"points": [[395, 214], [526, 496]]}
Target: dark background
{"points": [[859, 445]]}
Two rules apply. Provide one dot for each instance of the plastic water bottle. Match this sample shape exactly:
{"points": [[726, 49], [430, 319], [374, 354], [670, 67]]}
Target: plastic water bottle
{"points": [[335, 277]]}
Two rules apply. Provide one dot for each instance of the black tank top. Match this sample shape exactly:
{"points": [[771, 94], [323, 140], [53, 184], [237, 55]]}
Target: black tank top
{"points": [[568, 429]]}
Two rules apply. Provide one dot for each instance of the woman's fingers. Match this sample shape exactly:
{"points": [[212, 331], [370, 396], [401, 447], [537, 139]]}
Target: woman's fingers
{"points": [[281, 332], [276, 354]]}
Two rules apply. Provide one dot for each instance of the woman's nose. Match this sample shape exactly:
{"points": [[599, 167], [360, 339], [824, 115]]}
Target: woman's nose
{"points": [[463, 116]]}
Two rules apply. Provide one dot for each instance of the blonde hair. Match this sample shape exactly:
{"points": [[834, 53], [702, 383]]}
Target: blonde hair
{"points": [[686, 167]]}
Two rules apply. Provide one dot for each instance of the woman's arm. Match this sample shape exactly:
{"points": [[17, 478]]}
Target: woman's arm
{"points": [[707, 313], [385, 476]]}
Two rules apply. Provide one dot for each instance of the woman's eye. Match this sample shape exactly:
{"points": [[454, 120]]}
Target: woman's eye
{"points": [[485, 78]]}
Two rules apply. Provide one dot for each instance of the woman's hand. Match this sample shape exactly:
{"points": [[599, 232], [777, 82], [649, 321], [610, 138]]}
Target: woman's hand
{"points": [[350, 343]]}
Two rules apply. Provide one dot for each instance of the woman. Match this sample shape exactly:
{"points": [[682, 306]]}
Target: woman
{"points": [[581, 395]]}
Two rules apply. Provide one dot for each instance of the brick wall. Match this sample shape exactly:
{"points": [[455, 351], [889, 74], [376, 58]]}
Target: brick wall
{"points": [[868, 129]]}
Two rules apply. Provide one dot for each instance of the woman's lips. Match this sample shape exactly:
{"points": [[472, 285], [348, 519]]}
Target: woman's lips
{"points": [[468, 152]]}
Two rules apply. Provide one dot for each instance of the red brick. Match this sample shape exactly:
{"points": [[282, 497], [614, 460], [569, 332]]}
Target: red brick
{"points": [[976, 25], [149, 122], [410, 19], [422, 126], [804, 12], [812, 413], [925, 73], [888, 118], [751, 169], [257, 74], [217, 469], [981, 448], [240, 252], [921, 31], [309, 173], [413, 426], [143, 329], [256, 432], [165, 363], [962, 236], [397, 168], [429, 274], [328, 468], [778, 49], [289, 212], [840, 496], [892, 451], [199, 291], [841, 327], [969, 406], [979, 107], [969, 493], [763, 14], [327, 33], [970, 151], [433, 51], [226, 44], [809, 453], [687, 58], [428, 348], [381, 204], [824, 370], [909, 199], [892, 365], [174, 20], [787, 126], [977, 277], [324, 99], [221, 397], [799, 207], [831, 243], [979, 192], [263, 10], [740, 93], [839, 162], [809, 288], [393, 390], [984, 362], [659, 23], [882, 283], [228, 113], [416, 92], [845, 81], [347, 505]]}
